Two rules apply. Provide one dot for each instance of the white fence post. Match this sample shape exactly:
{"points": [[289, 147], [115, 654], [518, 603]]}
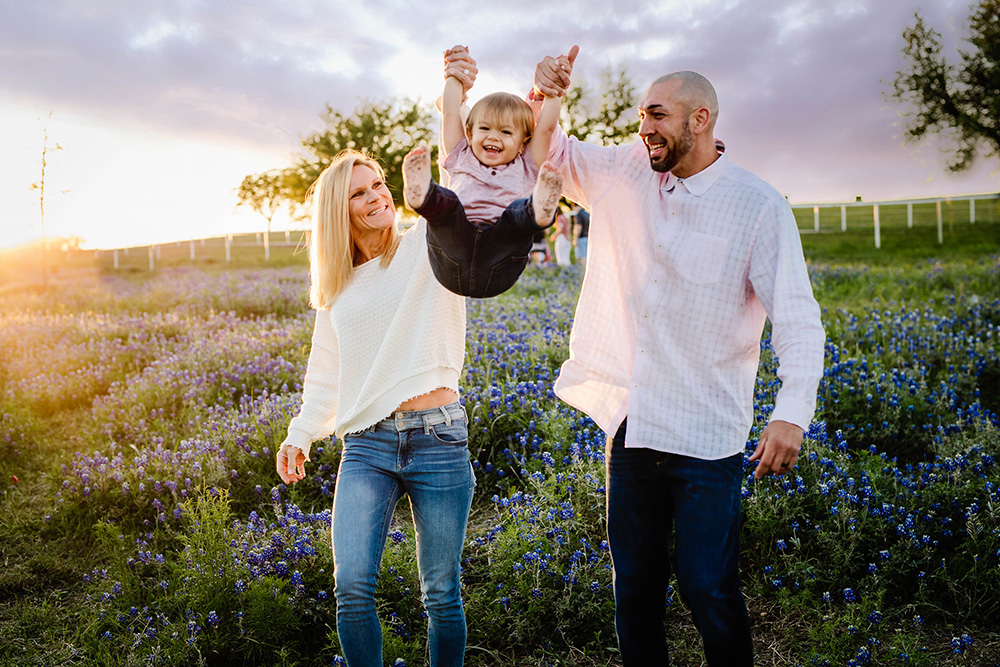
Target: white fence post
{"points": [[940, 224], [152, 256], [192, 250], [972, 211], [267, 247], [816, 219], [843, 218], [878, 230], [229, 245], [909, 215]]}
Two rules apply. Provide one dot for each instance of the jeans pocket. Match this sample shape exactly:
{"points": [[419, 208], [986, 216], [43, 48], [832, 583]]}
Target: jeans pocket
{"points": [[504, 274], [455, 433], [446, 270]]}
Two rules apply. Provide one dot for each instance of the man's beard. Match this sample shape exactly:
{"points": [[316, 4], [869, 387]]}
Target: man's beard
{"points": [[682, 146]]}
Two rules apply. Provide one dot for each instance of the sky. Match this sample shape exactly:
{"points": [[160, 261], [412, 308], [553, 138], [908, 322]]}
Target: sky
{"points": [[160, 108]]}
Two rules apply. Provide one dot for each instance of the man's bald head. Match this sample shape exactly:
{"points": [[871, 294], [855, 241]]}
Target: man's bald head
{"points": [[693, 91]]}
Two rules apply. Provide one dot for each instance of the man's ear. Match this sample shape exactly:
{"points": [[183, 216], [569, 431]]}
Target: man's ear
{"points": [[700, 119]]}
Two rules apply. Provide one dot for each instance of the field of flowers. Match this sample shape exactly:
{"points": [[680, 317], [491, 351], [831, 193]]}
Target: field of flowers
{"points": [[143, 523]]}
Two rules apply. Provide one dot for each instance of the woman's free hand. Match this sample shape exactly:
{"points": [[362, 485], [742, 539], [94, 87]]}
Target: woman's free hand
{"points": [[291, 463]]}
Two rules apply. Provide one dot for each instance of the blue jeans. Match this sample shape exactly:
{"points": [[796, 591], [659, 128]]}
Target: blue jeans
{"points": [[424, 455], [649, 494]]}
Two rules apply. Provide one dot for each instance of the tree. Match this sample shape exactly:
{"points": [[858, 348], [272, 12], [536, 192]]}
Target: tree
{"points": [[387, 131], [40, 186], [264, 193], [607, 118], [960, 102]]}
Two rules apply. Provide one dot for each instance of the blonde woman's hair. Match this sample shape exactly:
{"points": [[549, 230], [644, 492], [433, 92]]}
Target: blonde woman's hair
{"points": [[332, 247], [502, 108]]}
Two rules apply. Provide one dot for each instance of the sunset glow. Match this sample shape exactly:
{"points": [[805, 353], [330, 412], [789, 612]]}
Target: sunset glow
{"points": [[161, 115]]}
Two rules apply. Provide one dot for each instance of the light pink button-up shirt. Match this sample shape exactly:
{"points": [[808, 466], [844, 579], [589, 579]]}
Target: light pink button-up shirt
{"points": [[681, 275]]}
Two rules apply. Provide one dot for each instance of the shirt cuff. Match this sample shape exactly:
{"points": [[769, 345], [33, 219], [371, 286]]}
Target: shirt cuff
{"points": [[300, 439], [793, 411]]}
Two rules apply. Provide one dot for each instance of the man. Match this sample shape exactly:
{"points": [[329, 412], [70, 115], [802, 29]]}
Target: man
{"points": [[690, 255]]}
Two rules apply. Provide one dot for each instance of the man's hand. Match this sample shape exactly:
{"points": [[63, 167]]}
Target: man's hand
{"points": [[778, 449], [460, 65], [552, 75], [291, 464]]}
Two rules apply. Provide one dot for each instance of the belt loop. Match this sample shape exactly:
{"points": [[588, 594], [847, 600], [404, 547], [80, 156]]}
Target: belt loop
{"points": [[427, 425], [447, 416]]}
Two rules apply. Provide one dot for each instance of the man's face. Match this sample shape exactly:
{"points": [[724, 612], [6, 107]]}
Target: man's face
{"points": [[664, 125]]}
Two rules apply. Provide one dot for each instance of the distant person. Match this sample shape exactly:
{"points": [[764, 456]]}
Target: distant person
{"points": [[480, 230], [383, 376], [581, 232], [562, 245], [690, 255], [539, 249]]}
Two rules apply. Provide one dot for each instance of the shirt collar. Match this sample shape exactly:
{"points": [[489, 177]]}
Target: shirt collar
{"points": [[700, 183]]}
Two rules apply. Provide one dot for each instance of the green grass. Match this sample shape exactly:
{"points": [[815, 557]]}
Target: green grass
{"points": [[46, 617]]}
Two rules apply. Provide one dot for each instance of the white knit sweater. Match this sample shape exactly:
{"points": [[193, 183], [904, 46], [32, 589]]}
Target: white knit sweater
{"points": [[394, 333]]}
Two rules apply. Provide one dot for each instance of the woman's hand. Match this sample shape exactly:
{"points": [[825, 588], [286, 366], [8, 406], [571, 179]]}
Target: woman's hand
{"points": [[291, 463], [459, 64]]}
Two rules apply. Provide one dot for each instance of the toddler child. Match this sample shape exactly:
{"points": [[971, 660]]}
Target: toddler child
{"points": [[480, 228]]}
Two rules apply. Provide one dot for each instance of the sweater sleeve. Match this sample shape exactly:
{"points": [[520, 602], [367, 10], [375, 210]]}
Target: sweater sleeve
{"points": [[317, 417]]}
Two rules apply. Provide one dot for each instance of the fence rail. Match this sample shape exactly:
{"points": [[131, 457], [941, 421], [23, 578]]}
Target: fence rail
{"points": [[832, 217], [289, 247]]}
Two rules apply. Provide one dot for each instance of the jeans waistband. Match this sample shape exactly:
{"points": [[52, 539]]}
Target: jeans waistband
{"points": [[424, 419]]}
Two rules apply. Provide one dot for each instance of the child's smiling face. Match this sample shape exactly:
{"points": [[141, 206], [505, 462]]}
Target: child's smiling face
{"points": [[496, 144]]}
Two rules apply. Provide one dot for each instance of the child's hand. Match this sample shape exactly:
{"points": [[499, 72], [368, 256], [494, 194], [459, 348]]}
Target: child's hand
{"points": [[552, 75], [460, 65]]}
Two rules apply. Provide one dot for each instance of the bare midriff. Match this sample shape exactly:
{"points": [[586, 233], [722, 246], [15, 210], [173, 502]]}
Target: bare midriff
{"points": [[434, 399]]}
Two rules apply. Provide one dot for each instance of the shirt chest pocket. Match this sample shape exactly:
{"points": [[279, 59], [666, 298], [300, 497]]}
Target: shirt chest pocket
{"points": [[700, 258]]}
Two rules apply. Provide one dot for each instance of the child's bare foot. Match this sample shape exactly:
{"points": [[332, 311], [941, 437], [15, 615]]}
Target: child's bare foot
{"points": [[545, 197], [417, 176]]}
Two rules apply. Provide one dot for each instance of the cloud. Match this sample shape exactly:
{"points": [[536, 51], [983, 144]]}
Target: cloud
{"points": [[800, 81]]}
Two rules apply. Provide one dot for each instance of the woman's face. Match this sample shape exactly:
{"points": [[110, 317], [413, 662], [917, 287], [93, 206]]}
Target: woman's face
{"points": [[369, 202]]}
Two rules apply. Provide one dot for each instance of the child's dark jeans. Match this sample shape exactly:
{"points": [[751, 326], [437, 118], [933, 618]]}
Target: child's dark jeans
{"points": [[475, 259]]}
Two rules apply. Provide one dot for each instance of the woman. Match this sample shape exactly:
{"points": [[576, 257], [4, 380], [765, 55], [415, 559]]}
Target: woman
{"points": [[387, 352], [561, 239]]}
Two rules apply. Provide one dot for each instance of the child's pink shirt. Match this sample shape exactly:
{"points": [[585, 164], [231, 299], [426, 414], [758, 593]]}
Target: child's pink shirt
{"points": [[486, 191]]}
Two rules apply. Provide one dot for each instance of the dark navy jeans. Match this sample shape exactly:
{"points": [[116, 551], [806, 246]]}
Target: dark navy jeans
{"points": [[651, 494], [475, 259]]}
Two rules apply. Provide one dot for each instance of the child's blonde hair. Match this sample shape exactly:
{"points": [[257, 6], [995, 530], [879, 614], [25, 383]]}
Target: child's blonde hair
{"points": [[503, 109], [332, 247]]}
